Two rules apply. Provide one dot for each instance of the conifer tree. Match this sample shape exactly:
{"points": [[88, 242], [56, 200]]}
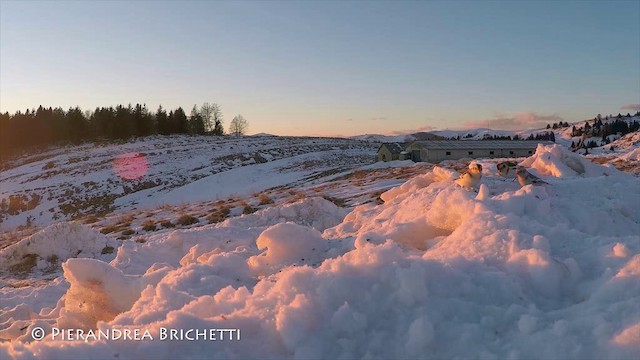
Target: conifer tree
{"points": [[162, 121], [196, 122]]}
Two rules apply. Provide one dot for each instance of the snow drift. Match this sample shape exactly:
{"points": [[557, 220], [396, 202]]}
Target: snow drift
{"points": [[54, 244], [435, 272]]}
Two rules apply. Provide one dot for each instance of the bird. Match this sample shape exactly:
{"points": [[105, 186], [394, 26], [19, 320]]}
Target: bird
{"points": [[471, 178], [526, 178], [507, 169]]}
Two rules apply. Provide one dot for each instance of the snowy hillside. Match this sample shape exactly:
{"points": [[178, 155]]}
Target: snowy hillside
{"points": [[75, 182], [429, 271], [377, 138]]}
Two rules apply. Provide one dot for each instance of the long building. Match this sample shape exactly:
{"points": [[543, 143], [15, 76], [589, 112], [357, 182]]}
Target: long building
{"points": [[434, 151]]}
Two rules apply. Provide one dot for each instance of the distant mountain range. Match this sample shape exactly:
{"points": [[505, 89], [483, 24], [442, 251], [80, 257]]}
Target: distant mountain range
{"points": [[563, 134]]}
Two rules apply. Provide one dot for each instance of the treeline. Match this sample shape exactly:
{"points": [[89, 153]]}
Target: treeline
{"points": [[55, 126], [604, 129], [617, 126]]}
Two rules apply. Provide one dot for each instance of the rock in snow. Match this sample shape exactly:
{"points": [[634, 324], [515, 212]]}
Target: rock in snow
{"points": [[434, 272]]}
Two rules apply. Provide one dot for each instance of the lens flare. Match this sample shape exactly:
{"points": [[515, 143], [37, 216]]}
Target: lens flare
{"points": [[131, 166]]}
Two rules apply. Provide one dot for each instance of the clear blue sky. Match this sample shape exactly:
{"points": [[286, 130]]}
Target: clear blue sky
{"points": [[328, 67]]}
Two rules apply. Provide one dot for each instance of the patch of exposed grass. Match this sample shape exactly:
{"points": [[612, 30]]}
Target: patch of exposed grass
{"points": [[187, 219], [16, 204], [25, 265], [247, 209], [337, 201], [167, 224], [77, 206], [128, 232], [265, 199], [91, 219], [125, 220], [149, 225], [358, 174], [218, 215], [107, 250], [109, 229]]}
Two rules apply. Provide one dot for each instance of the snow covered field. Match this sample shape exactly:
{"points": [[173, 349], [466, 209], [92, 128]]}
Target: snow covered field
{"points": [[75, 182], [430, 270]]}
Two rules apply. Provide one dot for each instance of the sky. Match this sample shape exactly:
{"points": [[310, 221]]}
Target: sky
{"points": [[328, 67]]}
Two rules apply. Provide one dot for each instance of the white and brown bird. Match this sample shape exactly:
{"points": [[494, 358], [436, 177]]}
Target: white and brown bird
{"points": [[507, 169], [471, 178], [526, 178]]}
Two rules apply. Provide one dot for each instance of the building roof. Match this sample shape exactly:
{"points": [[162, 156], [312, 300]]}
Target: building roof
{"points": [[394, 148], [480, 144]]}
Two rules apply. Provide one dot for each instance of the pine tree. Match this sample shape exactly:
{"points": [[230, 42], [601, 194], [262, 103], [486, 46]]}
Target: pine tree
{"points": [[142, 121], [123, 125], [196, 122], [77, 124], [180, 119], [162, 121]]}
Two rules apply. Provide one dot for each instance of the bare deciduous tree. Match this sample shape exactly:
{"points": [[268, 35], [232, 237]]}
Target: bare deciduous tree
{"points": [[238, 126], [212, 117]]}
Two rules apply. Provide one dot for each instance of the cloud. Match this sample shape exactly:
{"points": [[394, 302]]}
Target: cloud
{"points": [[407, 132], [349, 119], [634, 107], [378, 118], [518, 121]]}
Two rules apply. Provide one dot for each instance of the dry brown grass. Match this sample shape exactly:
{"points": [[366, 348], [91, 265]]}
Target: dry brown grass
{"points": [[91, 219], [109, 229], [265, 199], [16, 204], [247, 209], [125, 220], [25, 265], [358, 175], [218, 215], [167, 224], [149, 225], [187, 219], [337, 201], [77, 207], [107, 250]]}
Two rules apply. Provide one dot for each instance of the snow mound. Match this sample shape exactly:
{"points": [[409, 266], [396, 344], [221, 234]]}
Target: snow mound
{"points": [[44, 250], [511, 272], [287, 244], [437, 174], [98, 292], [555, 160], [315, 212]]}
